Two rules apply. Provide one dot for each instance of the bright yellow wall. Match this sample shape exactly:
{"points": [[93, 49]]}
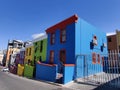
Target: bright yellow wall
{"points": [[28, 55]]}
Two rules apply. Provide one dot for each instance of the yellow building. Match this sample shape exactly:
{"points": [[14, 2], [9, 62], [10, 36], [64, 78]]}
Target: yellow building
{"points": [[29, 51]]}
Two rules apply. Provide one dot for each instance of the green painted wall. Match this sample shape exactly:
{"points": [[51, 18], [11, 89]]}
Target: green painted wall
{"points": [[37, 52], [28, 71]]}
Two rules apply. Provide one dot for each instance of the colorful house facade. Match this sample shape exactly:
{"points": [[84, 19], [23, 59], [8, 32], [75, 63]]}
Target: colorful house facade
{"points": [[22, 56], [17, 58], [40, 51], [40, 48], [67, 40], [39, 54], [14, 66], [13, 47], [20, 68], [29, 61], [29, 52]]}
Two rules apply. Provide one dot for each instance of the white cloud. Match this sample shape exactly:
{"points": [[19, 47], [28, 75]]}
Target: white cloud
{"points": [[34, 36], [111, 33]]}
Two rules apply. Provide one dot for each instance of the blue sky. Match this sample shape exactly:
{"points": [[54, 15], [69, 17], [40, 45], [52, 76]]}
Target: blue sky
{"points": [[22, 19]]}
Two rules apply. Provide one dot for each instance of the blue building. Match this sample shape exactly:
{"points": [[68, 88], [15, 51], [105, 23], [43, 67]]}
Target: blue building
{"points": [[67, 40]]}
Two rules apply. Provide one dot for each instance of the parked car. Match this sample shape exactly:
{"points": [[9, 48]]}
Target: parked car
{"points": [[5, 69]]}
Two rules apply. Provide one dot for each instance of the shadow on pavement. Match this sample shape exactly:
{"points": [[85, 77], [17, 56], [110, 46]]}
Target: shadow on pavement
{"points": [[106, 87], [111, 85]]}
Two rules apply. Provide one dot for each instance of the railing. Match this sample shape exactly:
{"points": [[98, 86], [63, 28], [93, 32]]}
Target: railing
{"points": [[104, 71]]}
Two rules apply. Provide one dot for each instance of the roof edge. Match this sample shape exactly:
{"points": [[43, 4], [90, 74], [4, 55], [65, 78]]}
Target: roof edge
{"points": [[40, 38], [63, 23]]}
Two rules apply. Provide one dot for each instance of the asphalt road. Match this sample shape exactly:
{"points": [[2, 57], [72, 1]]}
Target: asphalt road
{"points": [[9, 81]]}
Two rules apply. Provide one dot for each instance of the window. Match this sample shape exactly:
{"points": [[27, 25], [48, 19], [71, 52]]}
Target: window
{"points": [[12, 52], [52, 38], [22, 54], [94, 57], [95, 40], [63, 36], [30, 52], [27, 52], [41, 46], [34, 60], [98, 58], [29, 62], [36, 43], [63, 56], [109, 39], [40, 58], [102, 61], [109, 50], [35, 49], [15, 45], [51, 57]]}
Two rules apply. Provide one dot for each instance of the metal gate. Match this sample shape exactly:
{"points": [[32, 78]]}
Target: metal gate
{"points": [[98, 69]]}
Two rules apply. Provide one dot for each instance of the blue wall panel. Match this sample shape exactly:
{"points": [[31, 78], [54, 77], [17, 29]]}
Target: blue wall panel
{"points": [[68, 74], [83, 36], [44, 72], [69, 45], [80, 67], [87, 31]]}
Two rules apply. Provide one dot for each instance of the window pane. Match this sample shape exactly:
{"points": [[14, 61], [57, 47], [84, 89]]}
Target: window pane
{"points": [[35, 49], [109, 39], [94, 57], [51, 56], [64, 38], [53, 35], [63, 32], [63, 56], [41, 46], [27, 52], [53, 41], [63, 35], [30, 52], [98, 57], [52, 38]]}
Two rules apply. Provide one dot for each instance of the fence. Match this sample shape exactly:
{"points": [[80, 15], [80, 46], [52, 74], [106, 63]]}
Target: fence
{"points": [[99, 69]]}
